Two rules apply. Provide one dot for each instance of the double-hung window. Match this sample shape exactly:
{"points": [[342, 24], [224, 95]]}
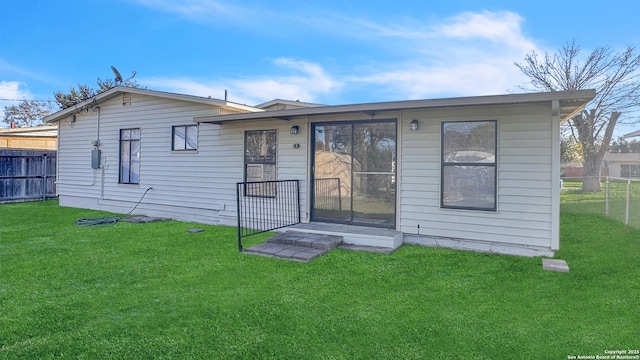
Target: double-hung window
{"points": [[129, 156], [468, 179], [184, 137]]}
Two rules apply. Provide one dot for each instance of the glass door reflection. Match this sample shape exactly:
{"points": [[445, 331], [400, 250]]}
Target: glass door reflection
{"points": [[354, 167]]}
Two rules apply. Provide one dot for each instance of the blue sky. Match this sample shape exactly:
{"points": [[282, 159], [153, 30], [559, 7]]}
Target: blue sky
{"points": [[330, 52]]}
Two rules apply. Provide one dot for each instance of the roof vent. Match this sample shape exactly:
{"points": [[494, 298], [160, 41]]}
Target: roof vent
{"points": [[126, 99]]}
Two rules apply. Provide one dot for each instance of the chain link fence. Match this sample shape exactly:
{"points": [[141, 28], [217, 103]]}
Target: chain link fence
{"points": [[618, 198]]}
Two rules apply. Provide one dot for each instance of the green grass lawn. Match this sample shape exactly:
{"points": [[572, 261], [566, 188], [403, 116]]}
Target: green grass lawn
{"points": [[575, 201], [154, 291]]}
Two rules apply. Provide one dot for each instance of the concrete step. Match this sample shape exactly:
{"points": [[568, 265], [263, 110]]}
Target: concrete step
{"points": [[287, 252], [318, 241], [354, 235], [296, 246]]}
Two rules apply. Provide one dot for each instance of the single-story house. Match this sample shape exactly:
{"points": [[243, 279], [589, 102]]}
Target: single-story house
{"points": [[622, 165], [36, 138], [478, 173]]}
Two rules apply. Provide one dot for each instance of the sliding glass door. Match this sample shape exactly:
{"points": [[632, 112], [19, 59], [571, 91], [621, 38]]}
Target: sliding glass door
{"points": [[354, 172]]}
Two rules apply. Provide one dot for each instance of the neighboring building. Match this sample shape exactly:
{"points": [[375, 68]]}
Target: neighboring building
{"points": [[475, 172], [32, 138], [622, 165]]}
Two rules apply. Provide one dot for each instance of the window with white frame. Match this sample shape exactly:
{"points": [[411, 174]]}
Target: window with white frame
{"points": [[184, 137], [129, 156], [468, 165]]}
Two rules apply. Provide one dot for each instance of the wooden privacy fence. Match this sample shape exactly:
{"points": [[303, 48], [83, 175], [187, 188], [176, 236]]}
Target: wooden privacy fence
{"points": [[27, 175]]}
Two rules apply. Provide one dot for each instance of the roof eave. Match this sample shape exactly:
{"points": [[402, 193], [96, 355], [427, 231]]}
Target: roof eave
{"points": [[287, 102], [574, 102], [55, 117], [631, 134]]}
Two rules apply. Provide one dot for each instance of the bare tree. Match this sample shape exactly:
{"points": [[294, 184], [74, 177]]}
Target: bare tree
{"points": [[614, 76], [27, 113]]}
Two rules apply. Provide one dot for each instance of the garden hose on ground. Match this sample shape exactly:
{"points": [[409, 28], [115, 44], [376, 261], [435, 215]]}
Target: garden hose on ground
{"points": [[110, 220], [97, 221]]}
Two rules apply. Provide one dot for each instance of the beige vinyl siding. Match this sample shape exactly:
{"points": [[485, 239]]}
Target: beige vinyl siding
{"points": [[75, 175], [201, 185], [196, 185], [188, 185], [524, 178], [291, 163]]}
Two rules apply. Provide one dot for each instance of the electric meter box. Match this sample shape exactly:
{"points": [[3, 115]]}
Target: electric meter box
{"points": [[95, 159]]}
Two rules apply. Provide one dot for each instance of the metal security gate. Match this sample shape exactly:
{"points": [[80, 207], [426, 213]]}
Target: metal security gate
{"points": [[266, 205]]}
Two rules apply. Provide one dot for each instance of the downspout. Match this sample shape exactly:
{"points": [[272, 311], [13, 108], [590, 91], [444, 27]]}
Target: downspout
{"points": [[101, 182], [398, 167], [96, 145], [58, 159], [309, 178], [555, 175]]}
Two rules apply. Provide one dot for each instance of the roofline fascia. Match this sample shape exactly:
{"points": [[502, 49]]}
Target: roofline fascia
{"points": [[573, 113], [631, 134], [103, 96], [288, 102], [405, 105]]}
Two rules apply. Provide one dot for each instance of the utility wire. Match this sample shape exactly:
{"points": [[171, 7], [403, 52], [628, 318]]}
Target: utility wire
{"points": [[27, 100]]}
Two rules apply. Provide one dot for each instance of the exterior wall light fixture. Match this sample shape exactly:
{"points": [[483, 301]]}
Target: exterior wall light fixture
{"points": [[413, 125], [294, 129]]}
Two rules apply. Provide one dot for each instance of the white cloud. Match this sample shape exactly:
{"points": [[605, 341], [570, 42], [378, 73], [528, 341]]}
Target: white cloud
{"points": [[471, 53], [184, 86], [302, 80], [418, 82], [467, 54], [203, 11], [503, 27], [11, 92], [310, 82]]}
